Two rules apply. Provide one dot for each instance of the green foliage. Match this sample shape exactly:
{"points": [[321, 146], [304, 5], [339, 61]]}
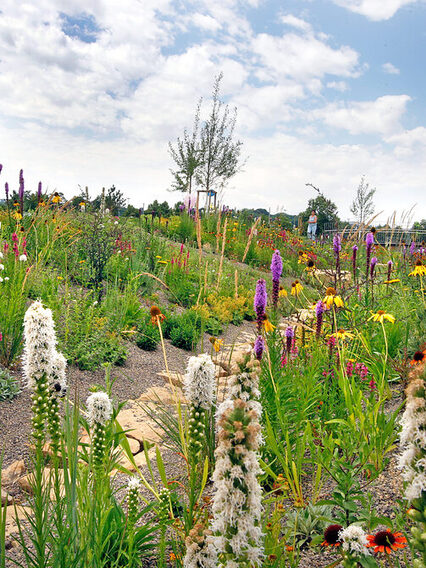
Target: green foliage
{"points": [[148, 336], [9, 386], [92, 351]]}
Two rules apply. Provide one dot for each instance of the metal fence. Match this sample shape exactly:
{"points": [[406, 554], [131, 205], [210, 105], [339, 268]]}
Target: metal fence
{"points": [[386, 236]]}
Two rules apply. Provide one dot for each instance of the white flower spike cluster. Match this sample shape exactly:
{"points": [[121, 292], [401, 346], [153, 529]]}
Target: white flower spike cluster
{"points": [[40, 355], [199, 381], [354, 540], [199, 550], [99, 408], [413, 438], [237, 502]]}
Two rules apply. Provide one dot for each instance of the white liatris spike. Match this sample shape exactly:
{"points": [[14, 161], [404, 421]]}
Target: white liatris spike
{"points": [[199, 550], [99, 408], [199, 381], [58, 379], [412, 462], [354, 540], [237, 502], [40, 343]]}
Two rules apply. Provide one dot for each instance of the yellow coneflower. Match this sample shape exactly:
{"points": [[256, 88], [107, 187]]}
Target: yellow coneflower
{"points": [[342, 334], [303, 257], [282, 293], [393, 281], [217, 343], [296, 288], [56, 198], [419, 269], [17, 215], [380, 316], [331, 298], [267, 325]]}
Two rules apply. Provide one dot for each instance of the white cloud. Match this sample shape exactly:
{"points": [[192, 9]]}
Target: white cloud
{"points": [[381, 116], [304, 57], [340, 86], [375, 10], [390, 69], [295, 22]]}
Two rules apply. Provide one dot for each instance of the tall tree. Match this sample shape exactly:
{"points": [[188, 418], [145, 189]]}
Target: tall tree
{"points": [[209, 155], [362, 205], [221, 154]]}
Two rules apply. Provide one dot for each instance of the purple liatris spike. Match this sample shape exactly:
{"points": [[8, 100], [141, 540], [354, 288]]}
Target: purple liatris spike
{"points": [[390, 264], [289, 333], [412, 247], [1, 167], [319, 311], [373, 265], [354, 252], [21, 191], [260, 299], [6, 189], [259, 347], [39, 189], [276, 270], [369, 242], [337, 244]]}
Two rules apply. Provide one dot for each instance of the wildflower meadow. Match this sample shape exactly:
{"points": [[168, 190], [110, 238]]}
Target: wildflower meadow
{"points": [[208, 389]]}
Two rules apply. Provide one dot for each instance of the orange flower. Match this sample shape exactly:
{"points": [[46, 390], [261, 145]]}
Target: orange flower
{"points": [[386, 541], [156, 316], [419, 357], [331, 536]]}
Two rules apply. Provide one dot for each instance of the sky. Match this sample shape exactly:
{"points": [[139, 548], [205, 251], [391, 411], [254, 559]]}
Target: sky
{"points": [[326, 91]]}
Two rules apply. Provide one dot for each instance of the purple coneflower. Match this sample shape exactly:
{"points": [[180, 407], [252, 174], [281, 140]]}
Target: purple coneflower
{"points": [[260, 299], [354, 251], [259, 347], [289, 333], [369, 242], [276, 270], [319, 311], [373, 266]]}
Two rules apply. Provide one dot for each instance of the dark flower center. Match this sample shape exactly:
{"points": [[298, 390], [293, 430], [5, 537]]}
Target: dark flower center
{"points": [[310, 263], [418, 356], [419, 262], [331, 535], [330, 291], [384, 538]]}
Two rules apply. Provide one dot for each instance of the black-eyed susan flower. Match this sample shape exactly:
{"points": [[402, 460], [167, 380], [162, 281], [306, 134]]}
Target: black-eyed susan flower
{"points": [[419, 269], [282, 292], [419, 357], [296, 288], [386, 541], [331, 298], [342, 334], [381, 316], [56, 198], [331, 536]]}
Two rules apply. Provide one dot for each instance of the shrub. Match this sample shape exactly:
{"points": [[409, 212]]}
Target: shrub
{"points": [[184, 335], [9, 386], [148, 337], [93, 350]]}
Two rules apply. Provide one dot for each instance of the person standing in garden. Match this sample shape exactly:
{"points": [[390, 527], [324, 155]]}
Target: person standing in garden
{"points": [[312, 225]]}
